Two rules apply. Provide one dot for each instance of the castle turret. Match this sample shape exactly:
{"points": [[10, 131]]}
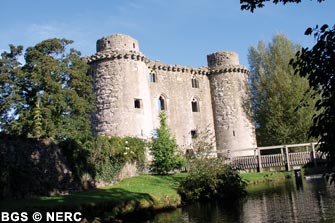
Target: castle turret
{"points": [[122, 88], [117, 42], [233, 122]]}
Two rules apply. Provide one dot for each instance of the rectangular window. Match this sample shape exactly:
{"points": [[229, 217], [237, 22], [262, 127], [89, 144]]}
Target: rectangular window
{"points": [[195, 83], [152, 77], [194, 134], [108, 44], [138, 103]]}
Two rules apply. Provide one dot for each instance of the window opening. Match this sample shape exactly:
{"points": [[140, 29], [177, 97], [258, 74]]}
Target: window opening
{"points": [[161, 103], [194, 134], [137, 103], [152, 77], [108, 44], [195, 83], [134, 45], [195, 105]]}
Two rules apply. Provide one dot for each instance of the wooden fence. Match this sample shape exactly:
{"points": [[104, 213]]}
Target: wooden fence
{"points": [[286, 158]]}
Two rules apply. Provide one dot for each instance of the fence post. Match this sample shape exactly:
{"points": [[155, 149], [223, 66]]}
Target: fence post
{"points": [[313, 154], [287, 159], [259, 160]]}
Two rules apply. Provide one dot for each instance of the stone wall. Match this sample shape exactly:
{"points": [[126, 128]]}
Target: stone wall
{"points": [[175, 84], [30, 167]]}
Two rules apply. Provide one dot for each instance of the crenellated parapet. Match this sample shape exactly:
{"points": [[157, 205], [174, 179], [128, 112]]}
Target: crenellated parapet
{"points": [[117, 55], [219, 62], [156, 65], [230, 69], [138, 56]]}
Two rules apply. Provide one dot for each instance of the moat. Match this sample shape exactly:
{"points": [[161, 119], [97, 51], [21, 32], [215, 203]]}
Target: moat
{"points": [[313, 201]]}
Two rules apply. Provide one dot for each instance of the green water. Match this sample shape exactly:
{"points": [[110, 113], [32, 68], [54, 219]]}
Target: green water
{"points": [[313, 201]]}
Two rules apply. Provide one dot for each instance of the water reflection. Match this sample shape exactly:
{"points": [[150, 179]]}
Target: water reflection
{"points": [[313, 201]]}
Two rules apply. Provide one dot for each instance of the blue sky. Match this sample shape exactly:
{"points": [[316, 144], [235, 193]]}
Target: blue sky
{"points": [[172, 31]]}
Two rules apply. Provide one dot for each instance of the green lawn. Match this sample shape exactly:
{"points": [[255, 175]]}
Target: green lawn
{"points": [[150, 192]]}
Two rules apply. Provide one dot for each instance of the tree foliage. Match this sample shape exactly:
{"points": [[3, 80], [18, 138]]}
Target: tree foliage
{"points": [[165, 150], [49, 96], [318, 65], [9, 78], [253, 4], [277, 94]]}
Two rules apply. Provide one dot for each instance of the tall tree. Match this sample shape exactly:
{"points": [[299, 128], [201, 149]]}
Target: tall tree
{"points": [[318, 65], [9, 76], [50, 96], [277, 94]]}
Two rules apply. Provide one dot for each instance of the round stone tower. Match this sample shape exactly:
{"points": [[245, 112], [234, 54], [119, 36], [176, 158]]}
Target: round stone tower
{"points": [[117, 42], [120, 74], [233, 122]]}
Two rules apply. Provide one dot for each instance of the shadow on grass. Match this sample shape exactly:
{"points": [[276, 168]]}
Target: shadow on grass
{"points": [[138, 197], [98, 202]]}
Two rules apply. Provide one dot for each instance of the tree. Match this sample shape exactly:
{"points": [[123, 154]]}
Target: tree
{"points": [[51, 92], [253, 4], [164, 150], [9, 76], [317, 64], [277, 94]]}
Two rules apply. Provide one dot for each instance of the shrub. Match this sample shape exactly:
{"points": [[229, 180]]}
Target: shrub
{"points": [[210, 179]]}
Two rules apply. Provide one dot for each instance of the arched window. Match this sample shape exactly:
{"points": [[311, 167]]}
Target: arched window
{"points": [[195, 105], [162, 103], [152, 77], [195, 83]]}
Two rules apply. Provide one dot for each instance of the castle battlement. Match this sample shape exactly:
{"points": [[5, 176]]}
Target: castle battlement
{"points": [[156, 65], [131, 90]]}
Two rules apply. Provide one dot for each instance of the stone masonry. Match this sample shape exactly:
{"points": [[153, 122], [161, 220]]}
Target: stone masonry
{"points": [[131, 90]]}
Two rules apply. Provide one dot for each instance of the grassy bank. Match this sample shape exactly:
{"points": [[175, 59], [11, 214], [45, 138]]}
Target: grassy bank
{"points": [[144, 193], [141, 195]]}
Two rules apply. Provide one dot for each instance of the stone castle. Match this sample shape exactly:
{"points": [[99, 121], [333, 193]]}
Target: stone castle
{"points": [[132, 90]]}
